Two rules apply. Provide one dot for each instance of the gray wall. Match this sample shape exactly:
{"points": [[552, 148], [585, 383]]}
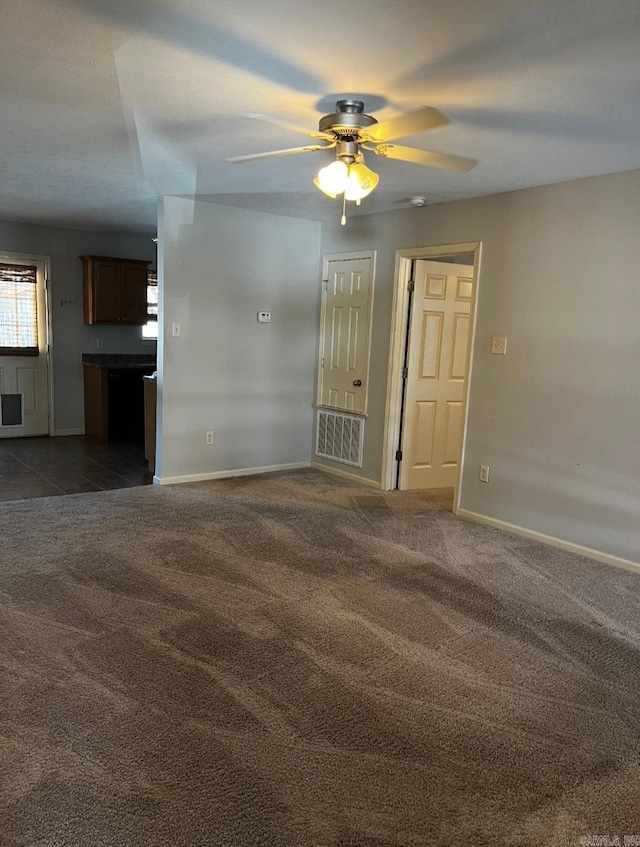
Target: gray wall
{"points": [[71, 337], [251, 383], [557, 418]]}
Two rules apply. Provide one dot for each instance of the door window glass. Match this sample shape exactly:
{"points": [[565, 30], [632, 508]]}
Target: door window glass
{"points": [[18, 310]]}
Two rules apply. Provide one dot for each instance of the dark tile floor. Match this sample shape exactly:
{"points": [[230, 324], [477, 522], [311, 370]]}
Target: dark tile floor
{"points": [[48, 467]]}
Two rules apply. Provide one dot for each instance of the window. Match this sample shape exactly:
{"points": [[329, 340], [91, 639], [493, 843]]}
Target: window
{"points": [[18, 310], [150, 329]]}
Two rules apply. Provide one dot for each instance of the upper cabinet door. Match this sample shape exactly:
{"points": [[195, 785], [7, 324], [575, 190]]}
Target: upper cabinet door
{"points": [[133, 296], [115, 290], [106, 291]]}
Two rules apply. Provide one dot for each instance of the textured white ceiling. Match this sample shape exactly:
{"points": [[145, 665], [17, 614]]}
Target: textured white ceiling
{"points": [[107, 104]]}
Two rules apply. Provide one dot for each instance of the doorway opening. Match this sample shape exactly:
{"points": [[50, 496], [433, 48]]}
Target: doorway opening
{"points": [[432, 334]]}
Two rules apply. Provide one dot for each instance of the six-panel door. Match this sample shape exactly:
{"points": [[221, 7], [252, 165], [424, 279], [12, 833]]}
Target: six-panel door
{"points": [[439, 328], [346, 318]]}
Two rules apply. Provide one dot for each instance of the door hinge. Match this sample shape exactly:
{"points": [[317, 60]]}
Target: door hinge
{"points": [[46, 284], [325, 282], [322, 363], [411, 286], [398, 455], [404, 373]]}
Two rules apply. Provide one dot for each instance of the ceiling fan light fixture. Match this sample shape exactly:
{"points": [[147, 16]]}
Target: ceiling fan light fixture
{"points": [[355, 181]]}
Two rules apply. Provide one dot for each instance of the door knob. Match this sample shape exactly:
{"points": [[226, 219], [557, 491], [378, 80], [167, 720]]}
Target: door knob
{"points": [[357, 383]]}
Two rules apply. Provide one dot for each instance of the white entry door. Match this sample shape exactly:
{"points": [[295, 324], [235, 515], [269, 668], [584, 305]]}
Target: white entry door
{"points": [[24, 378], [345, 333], [439, 327]]}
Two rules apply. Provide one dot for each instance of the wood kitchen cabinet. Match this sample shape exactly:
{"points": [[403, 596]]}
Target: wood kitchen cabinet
{"points": [[114, 290], [96, 403], [150, 403], [114, 400]]}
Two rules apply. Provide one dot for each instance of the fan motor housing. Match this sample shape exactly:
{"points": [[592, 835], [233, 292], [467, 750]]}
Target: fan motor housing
{"points": [[347, 122]]}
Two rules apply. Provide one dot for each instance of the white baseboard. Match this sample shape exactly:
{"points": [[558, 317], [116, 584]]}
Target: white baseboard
{"points": [[553, 542], [75, 431], [203, 477], [346, 475]]}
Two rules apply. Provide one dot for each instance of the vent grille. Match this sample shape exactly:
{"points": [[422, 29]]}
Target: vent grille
{"points": [[340, 437], [11, 410]]}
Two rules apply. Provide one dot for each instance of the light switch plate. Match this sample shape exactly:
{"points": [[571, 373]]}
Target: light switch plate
{"points": [[175, 329], [264, 317], [499, 346]]}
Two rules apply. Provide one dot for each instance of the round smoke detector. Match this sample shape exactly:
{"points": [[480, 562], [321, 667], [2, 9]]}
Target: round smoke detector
{"points": [[418, 201]]}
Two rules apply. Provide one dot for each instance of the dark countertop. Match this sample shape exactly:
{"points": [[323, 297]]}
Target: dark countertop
{"points": [[119, 360]]}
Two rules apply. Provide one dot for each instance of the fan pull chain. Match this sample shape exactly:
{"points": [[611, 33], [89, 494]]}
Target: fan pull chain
{"points": [[343, 219]]}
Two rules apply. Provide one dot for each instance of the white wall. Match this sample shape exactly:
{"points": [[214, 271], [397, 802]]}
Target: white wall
{"points": [[557, 419], [71, 337], [251, 383]]}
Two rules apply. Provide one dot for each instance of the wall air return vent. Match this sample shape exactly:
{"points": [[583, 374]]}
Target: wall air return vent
{"points": [[11, 410], [340, 437]]}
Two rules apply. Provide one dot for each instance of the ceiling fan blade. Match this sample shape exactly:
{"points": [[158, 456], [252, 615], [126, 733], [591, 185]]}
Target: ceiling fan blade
{"points": [[425, 157], [289, 127], [311, 148], [417, 121]]}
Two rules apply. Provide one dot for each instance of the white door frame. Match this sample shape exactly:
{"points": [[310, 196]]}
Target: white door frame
{"points": [[6, 256], [399, 316], [338, 257]]}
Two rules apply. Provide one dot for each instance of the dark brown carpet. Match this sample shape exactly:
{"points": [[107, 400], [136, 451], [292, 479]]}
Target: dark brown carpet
{"points": [[290, 660]]}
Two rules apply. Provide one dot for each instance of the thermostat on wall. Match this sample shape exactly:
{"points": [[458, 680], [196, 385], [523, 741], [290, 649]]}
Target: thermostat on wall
{"points": [[264, 317]]}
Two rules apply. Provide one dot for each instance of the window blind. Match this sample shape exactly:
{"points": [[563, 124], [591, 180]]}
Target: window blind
{"points": [[150, 329], [152, 294], [18, 310]]}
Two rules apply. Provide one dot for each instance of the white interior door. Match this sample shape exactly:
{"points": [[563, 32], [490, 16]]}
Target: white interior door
{"points": [[24, 378], [439, 327], [345, 334]]}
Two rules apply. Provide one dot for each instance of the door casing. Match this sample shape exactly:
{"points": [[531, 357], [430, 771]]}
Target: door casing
{"points": [[399, 316]]}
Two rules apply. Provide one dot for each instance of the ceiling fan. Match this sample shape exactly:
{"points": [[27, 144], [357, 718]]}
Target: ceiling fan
{"points": [[350, 132]]}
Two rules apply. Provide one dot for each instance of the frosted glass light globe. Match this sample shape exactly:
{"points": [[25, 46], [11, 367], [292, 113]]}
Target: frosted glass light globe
{"points": [[333, 179]]}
